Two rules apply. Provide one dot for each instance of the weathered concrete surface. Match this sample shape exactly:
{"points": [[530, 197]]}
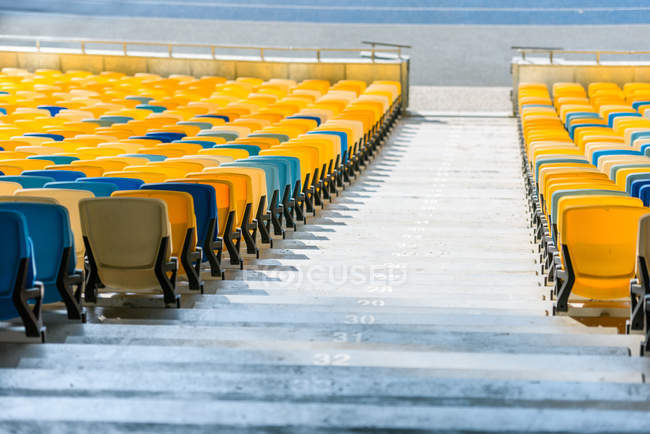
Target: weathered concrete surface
{"points": [[409, 303]]}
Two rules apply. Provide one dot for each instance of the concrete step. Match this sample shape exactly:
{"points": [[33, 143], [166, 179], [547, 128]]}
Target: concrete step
{"points": [[154, 415], [505, 366], [393, 338]]}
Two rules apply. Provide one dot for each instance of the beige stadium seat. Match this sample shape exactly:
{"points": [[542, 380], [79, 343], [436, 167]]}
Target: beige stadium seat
{"points": [[128, 241], [8, 188]]}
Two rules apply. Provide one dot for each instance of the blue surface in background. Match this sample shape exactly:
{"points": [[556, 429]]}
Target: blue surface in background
{"points": [[499, 12]]}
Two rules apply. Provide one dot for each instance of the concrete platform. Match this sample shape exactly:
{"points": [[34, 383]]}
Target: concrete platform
{"points": [[410, 303]]}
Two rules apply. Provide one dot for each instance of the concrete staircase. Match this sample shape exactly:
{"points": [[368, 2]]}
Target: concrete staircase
{"points": [[410, 303]]}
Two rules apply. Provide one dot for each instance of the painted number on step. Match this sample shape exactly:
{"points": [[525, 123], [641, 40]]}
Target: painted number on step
{"points": [[348, 337], [359, 319], [326, 359], [370, 302]]}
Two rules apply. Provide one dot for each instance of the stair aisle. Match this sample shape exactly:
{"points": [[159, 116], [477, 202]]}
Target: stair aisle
{"points": [[410, 303]]}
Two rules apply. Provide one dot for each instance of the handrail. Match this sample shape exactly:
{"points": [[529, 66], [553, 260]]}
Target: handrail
{"points": [[171, 46], [374, 44], [551, 52]]}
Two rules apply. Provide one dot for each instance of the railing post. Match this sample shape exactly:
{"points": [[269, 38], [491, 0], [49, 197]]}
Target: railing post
{"points": [[83, 47], [169, 50], [523, 54], [38, 45], [598, 57], [212, 52], [124, 48], [318, 55], [372, 53], [262, 54], [550, 56]]}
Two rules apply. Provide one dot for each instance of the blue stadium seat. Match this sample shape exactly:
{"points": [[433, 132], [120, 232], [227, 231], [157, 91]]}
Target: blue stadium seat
{"points": [[166, 136], [55, 137], [142, 99], [205, 209], [58, 175], [637, 104], [580, 115], [118, 183], [150, 157], [644, 194], [17, 271], [635, 181], [153, 108], [204, 143], [289, 178], [49, 228], [116, 119], [313, 118], [154, 140], [28, 181], [251, 149], [53, 109], [55, 159], [597, 154], [614, 115], [224, 117], [227, 135], [573, 128], [99, 189]]}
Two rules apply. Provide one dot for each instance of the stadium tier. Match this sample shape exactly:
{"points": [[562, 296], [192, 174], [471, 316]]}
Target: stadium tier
{"points": [[586, 160], [113, 182]]}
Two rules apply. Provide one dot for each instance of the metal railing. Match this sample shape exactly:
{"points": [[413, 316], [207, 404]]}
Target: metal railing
{"points": [[553, 52], [38, 43], [375, 44]]}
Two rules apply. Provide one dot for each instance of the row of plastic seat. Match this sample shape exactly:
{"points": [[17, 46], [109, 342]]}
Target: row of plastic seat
{"points": [[137, 205], [588, 180]]}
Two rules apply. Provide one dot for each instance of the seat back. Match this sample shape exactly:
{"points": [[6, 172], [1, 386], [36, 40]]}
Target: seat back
{"points": [[49, 230], [271, 173], [98, 189], [125, 236], [240, 193], [255, 181], [250, 149], [235, 154], [180, 212], [70, 200], [224, 194], [7, 188], [55, 159], [289, 167], [204, 201], [28, 181], [58, 175], [147, 177], [117, 182], [306, 158], [643, 250], [14, 248], [601, 242]]}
